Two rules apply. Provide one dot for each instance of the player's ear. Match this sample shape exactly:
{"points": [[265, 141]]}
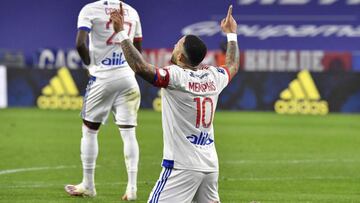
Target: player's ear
{"points": [[180, 57], [183, 59]]}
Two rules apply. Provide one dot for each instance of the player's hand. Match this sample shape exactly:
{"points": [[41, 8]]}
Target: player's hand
{"points": [[117, 18], [228, 24]]}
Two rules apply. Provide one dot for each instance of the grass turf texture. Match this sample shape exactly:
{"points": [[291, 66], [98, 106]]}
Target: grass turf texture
{"points": [[263, 157]]}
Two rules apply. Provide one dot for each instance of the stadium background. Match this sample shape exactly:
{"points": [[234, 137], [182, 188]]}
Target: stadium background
{"points": [[278, 39], [264, 157]]}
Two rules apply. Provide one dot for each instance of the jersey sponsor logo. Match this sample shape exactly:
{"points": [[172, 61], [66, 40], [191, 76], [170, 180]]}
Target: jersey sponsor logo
{"points": [[162, 74], [115, 60], [192, 74], [220, 70], [162, 78], [202, 87], [60, 93], [202, 139], [301, 97]]}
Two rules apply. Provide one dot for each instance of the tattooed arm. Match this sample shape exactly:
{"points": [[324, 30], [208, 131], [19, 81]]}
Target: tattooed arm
{"points": [[232, 58], [132, 55], [137, 62], [229, 26]]}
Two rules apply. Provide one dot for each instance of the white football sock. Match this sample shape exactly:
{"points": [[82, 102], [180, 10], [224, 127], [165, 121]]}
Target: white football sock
{"points": [[89, 152], [131, 155]]}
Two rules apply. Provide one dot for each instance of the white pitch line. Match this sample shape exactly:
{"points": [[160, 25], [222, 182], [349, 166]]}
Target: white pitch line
{"points": [[300, 161], [290, 178], [26, 186], [19, 170]]}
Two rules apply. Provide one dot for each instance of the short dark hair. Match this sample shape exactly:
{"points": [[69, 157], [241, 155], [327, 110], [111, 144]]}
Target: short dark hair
{"points": [[195, 49]]}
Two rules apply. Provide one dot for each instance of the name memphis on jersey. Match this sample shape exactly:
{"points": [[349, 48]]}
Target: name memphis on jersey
{"points": [[162, 80], [202, 87]]}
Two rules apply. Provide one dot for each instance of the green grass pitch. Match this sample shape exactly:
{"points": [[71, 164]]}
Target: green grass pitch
{"points": [[263, 157]]}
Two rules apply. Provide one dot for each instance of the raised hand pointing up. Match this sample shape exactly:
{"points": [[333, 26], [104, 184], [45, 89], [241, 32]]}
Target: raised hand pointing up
{"points": [[228, 24]]}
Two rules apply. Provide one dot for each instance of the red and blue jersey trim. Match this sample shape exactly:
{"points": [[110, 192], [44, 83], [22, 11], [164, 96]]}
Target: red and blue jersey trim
{"points": [[162, 77], [138, 39]]}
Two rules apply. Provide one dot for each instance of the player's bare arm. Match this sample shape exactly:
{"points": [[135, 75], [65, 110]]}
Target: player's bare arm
{"points": [[81, 46], [132, 55], [136, 61], [229, 25]]}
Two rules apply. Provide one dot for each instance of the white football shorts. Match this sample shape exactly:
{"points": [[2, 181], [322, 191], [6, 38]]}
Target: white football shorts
{"points": [[119, 95], [185, 186]]}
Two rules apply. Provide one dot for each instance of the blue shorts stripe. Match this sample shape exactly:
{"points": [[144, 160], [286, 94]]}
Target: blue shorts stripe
{"points": [[158, 185], [88, 88], [158, 195]]}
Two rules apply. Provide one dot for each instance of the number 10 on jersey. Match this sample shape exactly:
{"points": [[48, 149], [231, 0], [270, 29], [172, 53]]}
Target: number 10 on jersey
{"points": [[204, 111]]}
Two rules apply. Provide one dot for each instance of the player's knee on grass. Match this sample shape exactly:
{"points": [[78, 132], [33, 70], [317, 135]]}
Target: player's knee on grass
{"points": [[91, 125]]}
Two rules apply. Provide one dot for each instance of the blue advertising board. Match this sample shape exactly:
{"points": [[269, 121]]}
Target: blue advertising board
{"points": [[263, 24], [250, 91]]}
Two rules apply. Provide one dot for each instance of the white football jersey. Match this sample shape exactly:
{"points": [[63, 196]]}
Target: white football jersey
{"points": [[189, 100], [105, 53]]}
